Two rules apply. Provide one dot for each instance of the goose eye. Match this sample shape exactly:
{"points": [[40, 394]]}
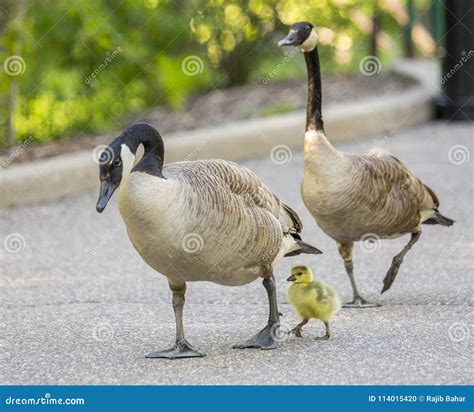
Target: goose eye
{"points": [[117, 162]]}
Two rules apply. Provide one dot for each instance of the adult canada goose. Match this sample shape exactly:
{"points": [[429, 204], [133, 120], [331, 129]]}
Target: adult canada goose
{"points": [[353, 197], [205, 220]]}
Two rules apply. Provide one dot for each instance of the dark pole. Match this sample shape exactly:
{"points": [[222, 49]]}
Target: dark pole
{"points": [[409, 47], [375, 30], [456, 101], [437, 22]]}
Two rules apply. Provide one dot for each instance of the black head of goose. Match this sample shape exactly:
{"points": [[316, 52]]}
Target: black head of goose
{"points": [[117, 159], [203, 220], [357, 197]]}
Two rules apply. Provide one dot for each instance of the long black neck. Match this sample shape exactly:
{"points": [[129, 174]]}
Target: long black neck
{"points": [[153, 158], [314, 117]]}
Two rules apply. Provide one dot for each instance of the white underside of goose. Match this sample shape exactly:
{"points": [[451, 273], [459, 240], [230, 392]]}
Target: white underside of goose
{"points": [[427, 214], [288, 245]]}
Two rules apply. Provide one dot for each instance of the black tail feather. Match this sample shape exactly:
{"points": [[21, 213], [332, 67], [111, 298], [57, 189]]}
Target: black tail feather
{"points": [[439, 219], [304, 248]]}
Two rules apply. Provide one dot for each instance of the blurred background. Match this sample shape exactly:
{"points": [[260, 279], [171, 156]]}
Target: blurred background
{"points": [[77, 304], [73, 69]]}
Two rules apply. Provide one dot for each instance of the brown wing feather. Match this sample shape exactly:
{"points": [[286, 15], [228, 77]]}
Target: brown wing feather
{"points": [[297, 224], [230, 199], [389, 195], [243, 183]]}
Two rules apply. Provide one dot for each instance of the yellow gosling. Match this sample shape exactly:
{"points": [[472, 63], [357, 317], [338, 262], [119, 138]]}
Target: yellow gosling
{"points": [[312, 299]]}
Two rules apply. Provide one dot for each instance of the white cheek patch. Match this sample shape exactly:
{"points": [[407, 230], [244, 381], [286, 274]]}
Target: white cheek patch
{"points": [[311, 42], [139, 153], [128, 159]]}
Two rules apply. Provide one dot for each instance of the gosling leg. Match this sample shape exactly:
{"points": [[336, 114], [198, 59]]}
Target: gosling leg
{"points": [[297, 329], [181, 348], [358, 302], [268, 337], [397, 261], [327, 335]]}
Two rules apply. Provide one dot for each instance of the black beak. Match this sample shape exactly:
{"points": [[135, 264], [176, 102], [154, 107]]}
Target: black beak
{"points": [[292, 278], [289, 40], [107, 189]]}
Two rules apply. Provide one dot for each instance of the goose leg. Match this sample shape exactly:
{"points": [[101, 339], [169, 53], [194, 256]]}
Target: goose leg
{"points": [[266, 338], [181, 348], [327, 335], [297, 329], [397, 261], [345, 250]]}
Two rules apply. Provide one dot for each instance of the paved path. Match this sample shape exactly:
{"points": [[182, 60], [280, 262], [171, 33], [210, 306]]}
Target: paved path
{"points": [[79, 306]]}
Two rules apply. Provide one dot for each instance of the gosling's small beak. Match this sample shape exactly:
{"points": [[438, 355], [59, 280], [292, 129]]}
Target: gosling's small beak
{"points": [[107, 189], [288, 40], [292, 278]]}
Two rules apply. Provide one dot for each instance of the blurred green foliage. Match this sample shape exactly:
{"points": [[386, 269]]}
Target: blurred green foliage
{"points": [[89, 63]]}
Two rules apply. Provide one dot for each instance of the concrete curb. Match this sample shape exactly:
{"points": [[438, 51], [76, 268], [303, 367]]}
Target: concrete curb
{"points": [[70, 174]]}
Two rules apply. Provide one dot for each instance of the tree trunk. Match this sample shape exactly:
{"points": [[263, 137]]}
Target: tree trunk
{"points": [[17, 9]]}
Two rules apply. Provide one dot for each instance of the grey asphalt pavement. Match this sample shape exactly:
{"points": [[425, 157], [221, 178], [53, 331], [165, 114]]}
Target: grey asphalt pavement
{"points": [[79, 306]]}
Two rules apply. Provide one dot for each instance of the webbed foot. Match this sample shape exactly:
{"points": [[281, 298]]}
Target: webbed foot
{"points": [[360, 303], [324, 337], [267, 338], [181, 349], [297, 332]]}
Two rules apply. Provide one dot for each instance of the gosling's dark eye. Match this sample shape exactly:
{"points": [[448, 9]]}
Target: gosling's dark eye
{"points": [[299, 274], [117, 162]]}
